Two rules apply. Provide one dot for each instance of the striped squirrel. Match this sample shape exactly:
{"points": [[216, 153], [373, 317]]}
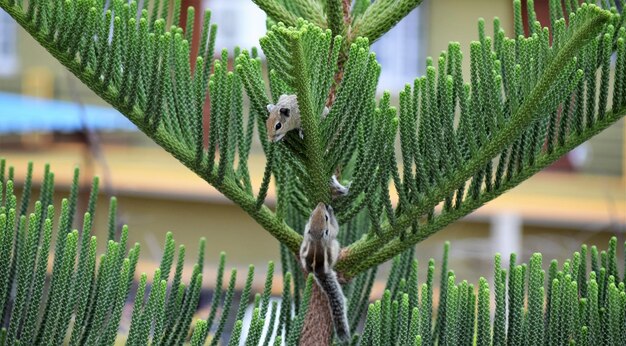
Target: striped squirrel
{"points": [[318, 254], [283, 117]]}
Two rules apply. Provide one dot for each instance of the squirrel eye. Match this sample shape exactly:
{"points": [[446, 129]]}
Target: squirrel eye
{"points": [[284, 111], [326, 233], [326, 216], [278, 126]]}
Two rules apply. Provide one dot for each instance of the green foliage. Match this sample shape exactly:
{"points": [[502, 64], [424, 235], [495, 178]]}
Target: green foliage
{"points": [[91, 292], [362, 20], [489, 140], [564, 316], [579, 306], [496, 109], [34, 314], [530, 99]]}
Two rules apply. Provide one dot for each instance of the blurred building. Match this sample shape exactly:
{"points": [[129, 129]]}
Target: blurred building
{"points": [[583, 199], [8, 45]]}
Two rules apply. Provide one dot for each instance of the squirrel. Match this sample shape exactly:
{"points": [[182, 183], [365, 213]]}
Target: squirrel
{"points": [[318, 254], [283, 117]]}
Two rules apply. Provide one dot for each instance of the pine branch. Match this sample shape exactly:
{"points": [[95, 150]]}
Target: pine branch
{"points": [[573, 312], [397, 245], [95, 297], [310, 122], [566, 317], [334, 13], [163, 128], [361, 250], [380, 17], [276, 11], [504, 115]]}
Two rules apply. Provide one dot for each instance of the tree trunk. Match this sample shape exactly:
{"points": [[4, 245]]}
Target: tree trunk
{"points": [[197, 26], [318, 324]]}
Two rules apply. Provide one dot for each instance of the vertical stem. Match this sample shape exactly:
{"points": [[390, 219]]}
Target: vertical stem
{"points": [[310, 124], [346, 13], [318, 324], [335, 13]]}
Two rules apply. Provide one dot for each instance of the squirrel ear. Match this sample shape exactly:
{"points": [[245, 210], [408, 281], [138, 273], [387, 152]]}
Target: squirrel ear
{"points": [[284, 111], [270, 107]]}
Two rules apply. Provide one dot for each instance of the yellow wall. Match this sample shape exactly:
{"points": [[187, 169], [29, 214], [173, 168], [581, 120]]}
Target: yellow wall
{"points": [[225, 226], [457, 20]]}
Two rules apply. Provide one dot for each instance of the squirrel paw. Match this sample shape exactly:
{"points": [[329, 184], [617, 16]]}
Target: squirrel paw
{"points": [[337, 189]]}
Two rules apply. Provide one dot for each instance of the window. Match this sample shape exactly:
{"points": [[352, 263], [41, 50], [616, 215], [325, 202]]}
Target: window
{"points": [[8, 46], [239, 23], [401, 51]]}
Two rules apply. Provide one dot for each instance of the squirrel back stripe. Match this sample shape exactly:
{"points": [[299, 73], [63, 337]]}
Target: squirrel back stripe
{"points": [[318, 255], [329, 284]]}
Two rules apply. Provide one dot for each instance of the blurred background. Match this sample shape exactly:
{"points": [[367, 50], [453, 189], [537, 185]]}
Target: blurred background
{"points": [[48, 116]]}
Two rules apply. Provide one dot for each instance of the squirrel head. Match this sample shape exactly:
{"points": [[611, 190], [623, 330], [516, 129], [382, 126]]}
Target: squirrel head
{"points": [[322, 224], [283, 117]]}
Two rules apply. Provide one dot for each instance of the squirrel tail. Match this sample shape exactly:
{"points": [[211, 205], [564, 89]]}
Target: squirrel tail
{"points": [[329, 284]]}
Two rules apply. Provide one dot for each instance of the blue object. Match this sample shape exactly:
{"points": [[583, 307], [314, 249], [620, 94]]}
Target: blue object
{"points": [[22, 114]]}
